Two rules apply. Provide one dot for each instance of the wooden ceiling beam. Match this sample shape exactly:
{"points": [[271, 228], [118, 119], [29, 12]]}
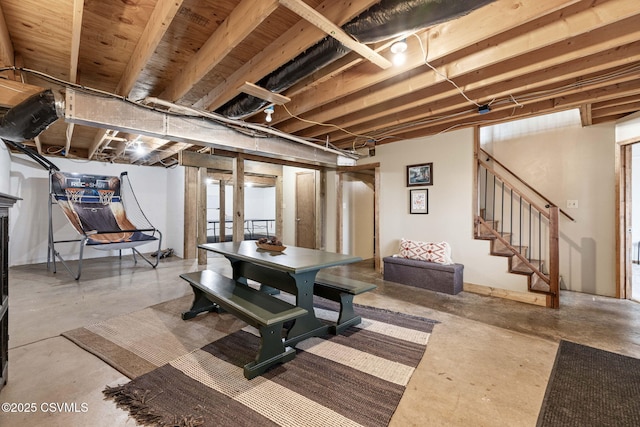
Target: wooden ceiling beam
{"points": [[291, 43], [307, 13], [503, 80], [159, 156], [13, 92], [157, 25], [7, 55], [238, 25], [563, 98], [441, 40], [558, 101], [453, 36], [585, 115], [621, 108], [262, 93], [76, 30]]}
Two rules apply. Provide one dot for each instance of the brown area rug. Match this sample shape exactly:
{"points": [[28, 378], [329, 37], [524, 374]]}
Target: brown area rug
{"points": [[189, 373]]}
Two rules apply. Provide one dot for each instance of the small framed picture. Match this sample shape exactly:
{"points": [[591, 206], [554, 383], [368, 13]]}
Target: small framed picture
{"points": [[420, 174], [419, 201]]}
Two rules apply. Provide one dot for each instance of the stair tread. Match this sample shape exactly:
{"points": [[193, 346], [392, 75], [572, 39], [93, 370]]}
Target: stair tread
{"points": [[519, 267]]}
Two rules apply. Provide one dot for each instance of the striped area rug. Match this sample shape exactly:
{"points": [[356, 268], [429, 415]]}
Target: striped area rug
{"points": [[353, 379]]}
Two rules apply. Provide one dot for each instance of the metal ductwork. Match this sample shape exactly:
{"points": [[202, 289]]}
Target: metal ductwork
{"points": [[31, 117], [388, 19]]}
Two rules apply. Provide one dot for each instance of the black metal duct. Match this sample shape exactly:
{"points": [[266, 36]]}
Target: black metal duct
{"points": [[30, 118], [387, 19]]}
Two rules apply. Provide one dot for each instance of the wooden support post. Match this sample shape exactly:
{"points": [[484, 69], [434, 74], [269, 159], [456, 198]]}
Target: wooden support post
{"points": [[238, 199], [201, 212], [279, 206], [321, 192], [377, 261], [339, 213], [554, 258], [222, 233], [190, 231]]}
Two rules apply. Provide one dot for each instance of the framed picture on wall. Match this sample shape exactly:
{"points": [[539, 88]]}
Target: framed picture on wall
{"points": [[421, 174], [419, 201]]}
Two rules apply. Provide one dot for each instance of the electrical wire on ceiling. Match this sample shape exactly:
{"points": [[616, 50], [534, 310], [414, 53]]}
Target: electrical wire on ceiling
{"points": [[388, 132], [425, 55], [185, 111]]}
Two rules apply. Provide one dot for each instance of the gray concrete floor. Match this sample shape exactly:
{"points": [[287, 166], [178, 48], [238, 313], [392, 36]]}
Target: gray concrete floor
{"points": [[487, 363]]}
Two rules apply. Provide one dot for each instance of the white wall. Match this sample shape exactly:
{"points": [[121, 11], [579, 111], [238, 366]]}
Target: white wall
{"points": [[5, 168], [173, 233], [29, 222], [628, 128]]}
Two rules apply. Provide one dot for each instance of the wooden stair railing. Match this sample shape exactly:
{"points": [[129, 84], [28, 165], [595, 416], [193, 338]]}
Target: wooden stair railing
{"points": [[496, 197]]}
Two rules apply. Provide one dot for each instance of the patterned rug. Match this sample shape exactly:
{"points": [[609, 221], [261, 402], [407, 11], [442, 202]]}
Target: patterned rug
{"points": [[591, 387], [189, 373]]}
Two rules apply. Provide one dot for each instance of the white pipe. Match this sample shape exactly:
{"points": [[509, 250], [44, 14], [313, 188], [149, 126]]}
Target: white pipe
{"points": [[260, 128]]}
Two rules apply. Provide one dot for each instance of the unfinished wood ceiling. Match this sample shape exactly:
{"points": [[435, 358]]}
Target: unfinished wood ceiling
{"points": [[504, 60]]}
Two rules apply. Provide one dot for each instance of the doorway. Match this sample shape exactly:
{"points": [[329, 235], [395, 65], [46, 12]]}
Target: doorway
{"points": [[358, 220], [628, 219], [306, 209]]}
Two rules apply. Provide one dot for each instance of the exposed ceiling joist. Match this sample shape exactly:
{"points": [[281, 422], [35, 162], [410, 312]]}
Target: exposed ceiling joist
{"points": [[290, 44], [309, 14], [6, 47], [158, 24], [262, 93], [244, 19]]}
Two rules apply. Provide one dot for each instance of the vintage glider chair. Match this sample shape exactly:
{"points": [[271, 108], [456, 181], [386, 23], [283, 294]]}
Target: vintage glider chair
{"points": [[104, 211]]}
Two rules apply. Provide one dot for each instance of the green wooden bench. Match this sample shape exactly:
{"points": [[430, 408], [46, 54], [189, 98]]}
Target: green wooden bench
{"points": [[342, 290], [213, 292]]}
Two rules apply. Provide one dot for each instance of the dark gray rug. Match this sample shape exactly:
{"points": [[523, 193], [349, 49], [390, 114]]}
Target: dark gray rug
{"points": [[591, 387]]}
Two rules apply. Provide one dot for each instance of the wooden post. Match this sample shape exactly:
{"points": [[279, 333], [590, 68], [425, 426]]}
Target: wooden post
{"points": [[321, 196], [238, 199], [279, 205], [553, 300], [222, 232], [476, 187], [190, 231], [339, 213], [201, 212], [376, 221]]}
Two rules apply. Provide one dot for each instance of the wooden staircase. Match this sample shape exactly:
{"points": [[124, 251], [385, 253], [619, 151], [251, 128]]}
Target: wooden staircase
{"points": [[521, 224], [501, 247]]}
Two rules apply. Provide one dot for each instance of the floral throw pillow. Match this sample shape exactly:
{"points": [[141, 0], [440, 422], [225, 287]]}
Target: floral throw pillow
{"points": [[426, 251]]}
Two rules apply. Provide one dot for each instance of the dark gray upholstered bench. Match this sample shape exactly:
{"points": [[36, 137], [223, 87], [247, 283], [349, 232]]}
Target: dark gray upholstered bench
{"points": [[424, 274], [213, 291]]}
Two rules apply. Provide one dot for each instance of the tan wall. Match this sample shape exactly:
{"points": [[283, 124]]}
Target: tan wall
{"points": [[564, 162], [571, 163]]}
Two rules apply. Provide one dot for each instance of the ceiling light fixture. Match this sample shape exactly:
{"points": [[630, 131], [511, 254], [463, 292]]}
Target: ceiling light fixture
{"points": [[398, 49], [140, 150], [269, 111]]}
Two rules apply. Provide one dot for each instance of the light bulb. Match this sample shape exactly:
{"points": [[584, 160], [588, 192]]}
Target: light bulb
{"points": [[269, 111], [399, 46], [398, 59]]}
